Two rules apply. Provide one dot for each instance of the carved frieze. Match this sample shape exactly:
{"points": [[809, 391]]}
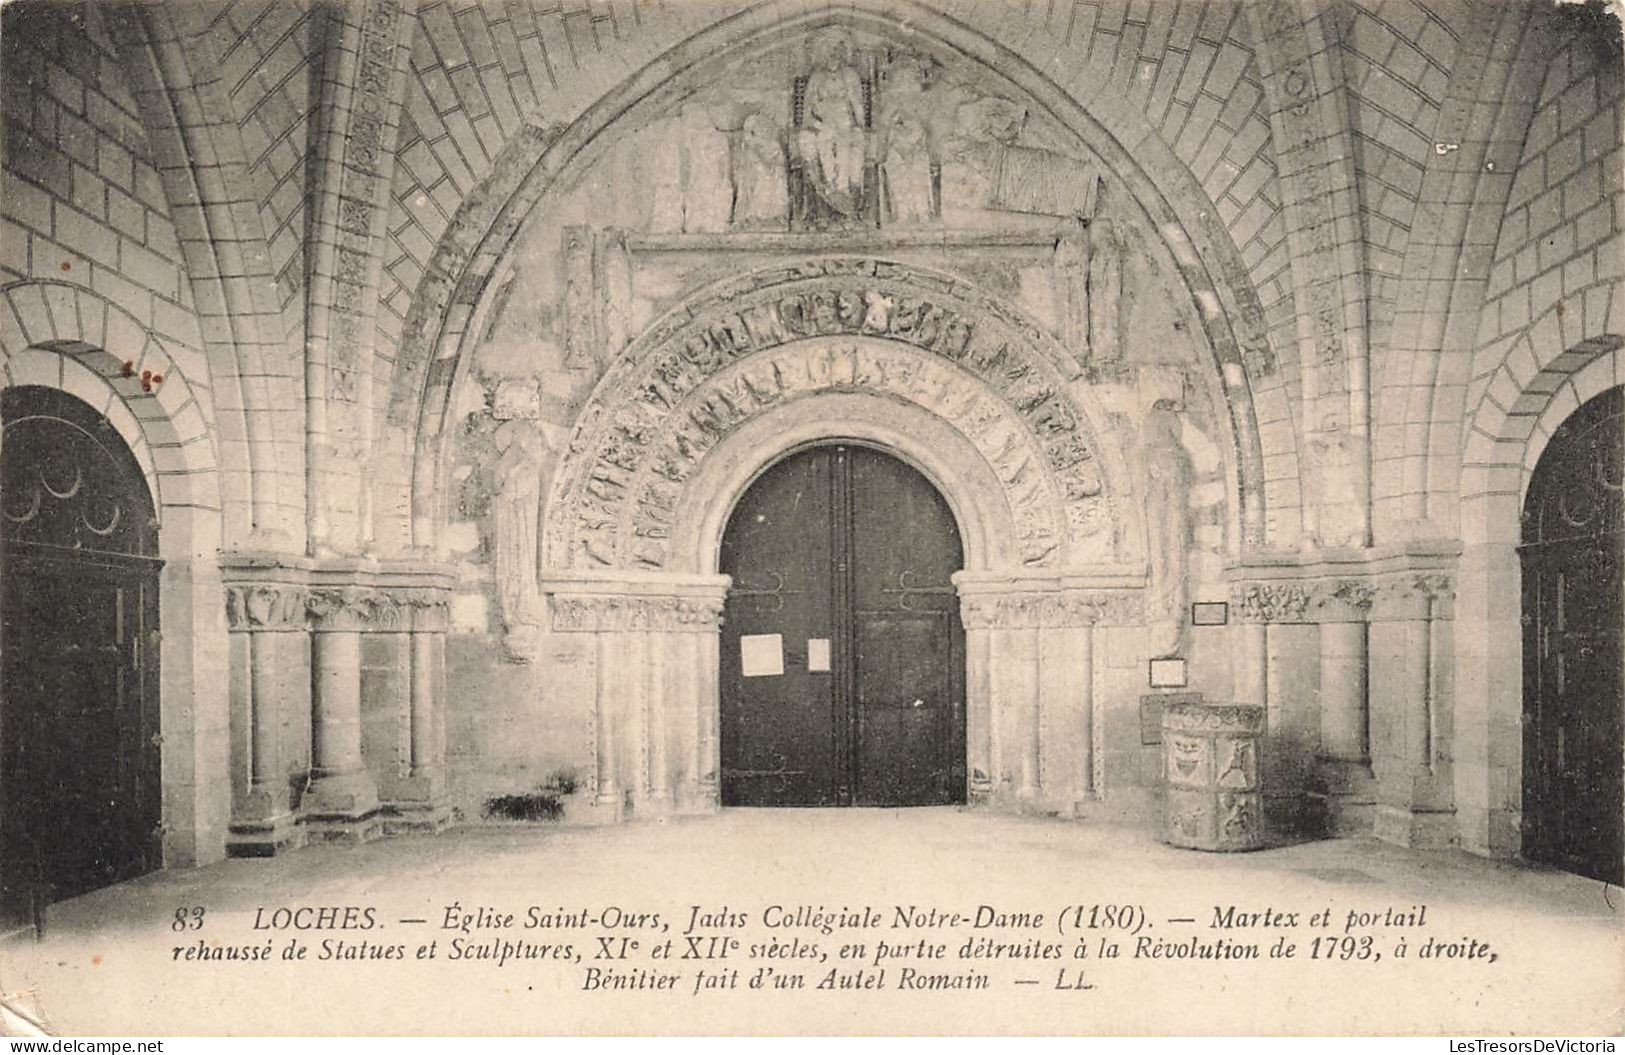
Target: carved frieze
{"points": [[1375, 598], [1217, 718], [1344, 600], [602, 612], [430, 609], [1270, 602], [1049, 608], [1414, 595], [342, 609], [697, 379], [266, 607], [364, 174]]}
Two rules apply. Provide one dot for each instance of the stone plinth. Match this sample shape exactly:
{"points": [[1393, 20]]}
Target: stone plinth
{"points": [[1214, 801]]}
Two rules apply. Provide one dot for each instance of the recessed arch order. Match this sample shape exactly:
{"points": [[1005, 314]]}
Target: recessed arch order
{"points": [[436, 346]]}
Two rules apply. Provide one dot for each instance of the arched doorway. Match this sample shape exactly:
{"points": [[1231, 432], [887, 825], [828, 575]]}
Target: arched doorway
{"points": [[842, 651], [1572, 590], [79, 744]]}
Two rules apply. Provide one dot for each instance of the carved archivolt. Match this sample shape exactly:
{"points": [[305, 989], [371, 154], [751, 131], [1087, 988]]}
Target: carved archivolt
{"points": [[853, 325]]}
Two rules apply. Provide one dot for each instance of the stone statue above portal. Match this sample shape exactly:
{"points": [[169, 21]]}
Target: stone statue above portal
{"points": [[909, 194], [830, 156], [842, 131], [761, 197], [1167, 471], [516, 517]]}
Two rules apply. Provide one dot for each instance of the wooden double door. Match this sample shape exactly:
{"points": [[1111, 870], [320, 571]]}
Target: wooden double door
{"points": [[843, 655], [79, 744], [1573, 791]]}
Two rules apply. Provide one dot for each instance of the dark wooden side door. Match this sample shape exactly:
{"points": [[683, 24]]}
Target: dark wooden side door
{"points": [[1573, 791], [79, 746], [842, 551]]}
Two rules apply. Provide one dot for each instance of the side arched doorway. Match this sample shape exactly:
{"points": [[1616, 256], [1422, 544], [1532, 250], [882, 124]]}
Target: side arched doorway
{"points": [[842, 651], [79, 744], [1572, 592]]}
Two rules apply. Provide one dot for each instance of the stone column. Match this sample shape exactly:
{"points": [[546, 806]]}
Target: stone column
{"points": [[1251, 658], [1343, 767], [661, 694], [342, 802], [710, 753], [980, 739], [1416, 805], [1343, 715], [629, 706], [418, 802], [1031, 728], [268, 624], [606, 798], [1026, 685], [656, 704], [1085, 787], [1259, 610]]}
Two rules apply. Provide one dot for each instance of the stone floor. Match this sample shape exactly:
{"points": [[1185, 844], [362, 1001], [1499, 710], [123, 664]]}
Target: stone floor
{"points": [[107, 964]]}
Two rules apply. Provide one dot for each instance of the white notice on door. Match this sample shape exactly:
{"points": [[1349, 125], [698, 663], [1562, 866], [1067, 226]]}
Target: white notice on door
{"points": [[818, 655], [761, 655]]}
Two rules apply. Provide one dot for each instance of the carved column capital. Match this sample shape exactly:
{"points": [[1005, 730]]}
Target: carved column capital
{"points": [[352, 609], [1414, 595], [1344, 600], [1436, 586], [266, 607], [1270, 602], [594, 613], [1029, 609], [428, 610]]}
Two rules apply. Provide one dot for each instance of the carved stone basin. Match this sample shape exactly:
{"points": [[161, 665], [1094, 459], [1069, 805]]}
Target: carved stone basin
{"points": [[1210, 755]]}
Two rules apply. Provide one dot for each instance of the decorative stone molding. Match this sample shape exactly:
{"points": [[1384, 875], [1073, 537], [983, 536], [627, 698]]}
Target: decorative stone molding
{"points": [[349, 609], [1343, 600], [1024, 610], [853, 324], [1374, 599], [664, 614], [1435, 586], [430, 609], [273, 593], [1212, 718], [1317, 180], [372, 610], [1269, 602], [1104, 595], [1414, 581], [634, 601], [267, 607]]}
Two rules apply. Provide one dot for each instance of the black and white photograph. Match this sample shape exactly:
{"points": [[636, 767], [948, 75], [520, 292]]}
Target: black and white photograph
{"points": [[812, 517]]}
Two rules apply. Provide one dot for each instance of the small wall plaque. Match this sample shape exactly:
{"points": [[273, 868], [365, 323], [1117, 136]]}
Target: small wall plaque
{"points": [[1210, 613], [818, 655], [1167, 674]]}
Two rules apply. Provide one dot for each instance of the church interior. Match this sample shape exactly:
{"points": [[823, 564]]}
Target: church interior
{"points": [[431, 420]]}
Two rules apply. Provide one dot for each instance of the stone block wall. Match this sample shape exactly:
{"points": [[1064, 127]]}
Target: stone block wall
{"points": [[83, 201], [517, 729], [171, 192]]}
